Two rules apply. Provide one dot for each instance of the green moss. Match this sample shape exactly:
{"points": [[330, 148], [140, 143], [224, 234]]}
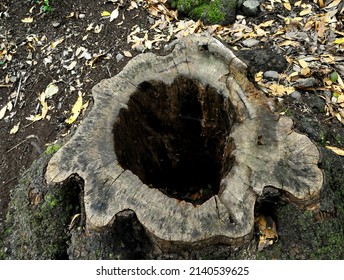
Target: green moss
{"points": [[210, 11], [37, 221], [52, 149]]}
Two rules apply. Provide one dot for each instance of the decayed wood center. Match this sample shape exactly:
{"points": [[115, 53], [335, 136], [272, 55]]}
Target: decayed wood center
{"points": [[186, 142], [176, 138]]}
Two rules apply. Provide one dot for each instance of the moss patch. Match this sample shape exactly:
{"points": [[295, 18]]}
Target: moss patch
{"points": [[39, 215], [304, 237], [209, 11]]}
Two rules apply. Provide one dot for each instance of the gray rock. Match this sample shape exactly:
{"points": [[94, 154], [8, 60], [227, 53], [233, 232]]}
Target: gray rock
{"points": [[296, 94], [13, 79], [272, 75], [250, 42], [119, 57], [305, 83], [56, 24], [250, 7]]}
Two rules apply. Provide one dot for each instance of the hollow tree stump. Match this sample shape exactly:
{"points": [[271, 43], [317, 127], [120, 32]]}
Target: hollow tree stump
{"points": [[188, 143]]}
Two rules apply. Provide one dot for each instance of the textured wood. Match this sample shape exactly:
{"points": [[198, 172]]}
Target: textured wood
{"points": [[267, 151]]}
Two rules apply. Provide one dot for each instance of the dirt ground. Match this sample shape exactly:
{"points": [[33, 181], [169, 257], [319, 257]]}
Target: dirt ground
{"points": [[31, 74], [74, 47]]}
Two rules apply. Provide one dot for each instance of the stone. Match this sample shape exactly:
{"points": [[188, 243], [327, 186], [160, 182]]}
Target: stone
{"points": [[272, 75], [250, 42], [205, 147], [250, 7], [296, 94], [305, 83], [119, 57], [56, 24]]}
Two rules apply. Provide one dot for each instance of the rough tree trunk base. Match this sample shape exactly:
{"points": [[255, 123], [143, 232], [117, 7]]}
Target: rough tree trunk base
{"points": [[164, 118]]}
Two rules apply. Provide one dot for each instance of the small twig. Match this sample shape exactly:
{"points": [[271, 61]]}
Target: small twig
{"points": [[23, 141], [18, 91], [10, 180], [16, 146]]}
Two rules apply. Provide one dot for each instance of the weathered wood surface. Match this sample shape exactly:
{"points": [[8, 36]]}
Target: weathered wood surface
{"points": [[267, 151]]}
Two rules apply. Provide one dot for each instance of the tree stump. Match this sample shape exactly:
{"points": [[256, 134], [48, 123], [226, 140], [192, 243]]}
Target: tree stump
{"points": [[187, 143]]}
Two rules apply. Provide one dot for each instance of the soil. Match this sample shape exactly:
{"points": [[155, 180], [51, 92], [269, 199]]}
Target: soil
{"points": [[38, 57], [19, 150]]}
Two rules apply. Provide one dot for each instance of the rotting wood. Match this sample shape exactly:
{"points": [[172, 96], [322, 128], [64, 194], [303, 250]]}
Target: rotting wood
{"points": [[264, 150]]}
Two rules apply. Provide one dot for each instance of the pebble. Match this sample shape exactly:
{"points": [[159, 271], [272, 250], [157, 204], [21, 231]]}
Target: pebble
{"points": [[305, 83], [296, 94], [56, 24], [119, 57], [272, 75], [81, 16], [250, 42], [13, 79]]}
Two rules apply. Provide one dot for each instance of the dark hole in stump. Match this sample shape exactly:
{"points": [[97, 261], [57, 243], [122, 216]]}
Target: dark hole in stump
{"points": [[176, 138]]}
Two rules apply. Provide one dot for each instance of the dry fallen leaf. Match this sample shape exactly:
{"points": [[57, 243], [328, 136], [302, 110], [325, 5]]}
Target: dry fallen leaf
{"points": [[307, 9], [71, 66], [336, 150], [127, 54], [76, 109], [258, 77], [3, 111], [114, 14], [105, 14], [27, 20], [334, 3], [15, 128], [287, 5], [51, 90], [54, 44], [339, 41]]}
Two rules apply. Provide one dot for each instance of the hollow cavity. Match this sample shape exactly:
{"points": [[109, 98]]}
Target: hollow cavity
{"points": [[175, 138]]}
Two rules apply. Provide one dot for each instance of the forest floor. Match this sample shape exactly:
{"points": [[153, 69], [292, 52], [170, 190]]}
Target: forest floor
{"points": [[52, 55]]}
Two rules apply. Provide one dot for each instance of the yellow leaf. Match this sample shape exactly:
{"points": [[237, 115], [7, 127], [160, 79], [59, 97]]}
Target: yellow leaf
{"points": [[27, 20], [305, 71], [44, 106], [298, 3], [306, 11], [58, 41], [280, 90], [75, 110], [15, 129], [3, 111], [287, 6], [127, 54], [340, 98], [339, 41], [51, 90], [289, 43], [34, 118], [266, 23], [105, 14], [333, 4], [302, 63], [260, 32], [259, 76], [336, 150]]}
